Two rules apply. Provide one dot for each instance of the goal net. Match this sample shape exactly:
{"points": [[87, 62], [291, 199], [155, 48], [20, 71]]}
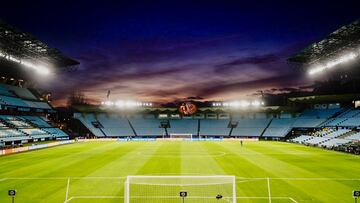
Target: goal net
{"points": [[181, 135], [167, 189]]}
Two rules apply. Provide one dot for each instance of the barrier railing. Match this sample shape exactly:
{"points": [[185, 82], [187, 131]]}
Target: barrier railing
{"points": [[33, 147]]}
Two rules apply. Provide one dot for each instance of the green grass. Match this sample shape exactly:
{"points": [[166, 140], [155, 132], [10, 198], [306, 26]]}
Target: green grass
{"points": [[304, 174]]}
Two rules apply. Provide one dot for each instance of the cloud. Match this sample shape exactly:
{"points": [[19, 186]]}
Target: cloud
{"points": [[161, 71], [195, 98], [213, 89], [261, 59]]}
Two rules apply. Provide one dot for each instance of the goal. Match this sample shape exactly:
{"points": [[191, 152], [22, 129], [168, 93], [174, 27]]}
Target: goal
{"points": [[171, 189], [181, 135]]}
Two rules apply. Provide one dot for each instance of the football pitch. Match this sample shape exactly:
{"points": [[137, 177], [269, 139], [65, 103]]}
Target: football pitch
{"points": [[266, 172]]}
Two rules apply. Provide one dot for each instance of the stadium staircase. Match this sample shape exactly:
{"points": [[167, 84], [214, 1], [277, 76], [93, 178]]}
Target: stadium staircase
{"points": [[31, 124], [100, 126], [310, 138], [326, 122], [102, 132], [334, 117], [348, 134], [340, 117], [267, 126], [8, 124], [231, 127], [342, 121], [198, 128], [132, 128]]}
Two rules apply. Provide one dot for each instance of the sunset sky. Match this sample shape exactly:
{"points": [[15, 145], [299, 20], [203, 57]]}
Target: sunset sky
{"points": [[159, 52]]}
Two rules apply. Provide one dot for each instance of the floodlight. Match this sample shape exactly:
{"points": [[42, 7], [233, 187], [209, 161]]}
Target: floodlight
{"points": [[216, 104], [331, 64], [38, 68], [256, 103], [241, 104], [120, 104], [42, 70], [244, 103], [109, 103]]}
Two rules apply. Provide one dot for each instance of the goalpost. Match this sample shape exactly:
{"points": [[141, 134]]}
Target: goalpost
{"points": [[180, 189], [181, 135]]}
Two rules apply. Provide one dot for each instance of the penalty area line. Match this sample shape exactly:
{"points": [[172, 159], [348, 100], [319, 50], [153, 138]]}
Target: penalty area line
{"points": [[289, 198], [121, 197], [239, 178], [97, 197], [71, 198], [67, 190], [292, 199], [268, 186]]}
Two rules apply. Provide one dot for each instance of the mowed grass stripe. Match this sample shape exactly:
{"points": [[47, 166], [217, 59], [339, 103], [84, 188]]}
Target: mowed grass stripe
{"points": [[33, 191], [309, 160], [133, 160], [79, 162], [115, 159], [122, 162], [197, 160], [166, 160], [233, 164], [277, 168]]}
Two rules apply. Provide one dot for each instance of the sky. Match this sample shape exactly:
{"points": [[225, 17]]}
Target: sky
{"points": [[164, 51]]}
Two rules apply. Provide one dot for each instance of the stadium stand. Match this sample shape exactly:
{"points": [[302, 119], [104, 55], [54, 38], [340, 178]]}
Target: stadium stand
{"points": [[255, 125], [308, 122], [20, 97], [319, 113], [301, 138], [88, 120], [20, 129], [114, 125], [350, 117], [18, 91], [55, 132], [22, 109], [111, 125], [12, 101], [214, 127], [250, 127], [328, 138], [279, 127], [334, 142], [144, 127], [184, 126], [355, 136], [37, 121]]}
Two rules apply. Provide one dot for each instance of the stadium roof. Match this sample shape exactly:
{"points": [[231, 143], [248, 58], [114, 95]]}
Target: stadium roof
{"points": [[98, 109], [321, 99], [24, 46], [346, 38]]}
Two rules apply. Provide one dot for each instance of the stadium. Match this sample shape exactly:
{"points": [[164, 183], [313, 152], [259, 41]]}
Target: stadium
{"points": [[118, 136]]}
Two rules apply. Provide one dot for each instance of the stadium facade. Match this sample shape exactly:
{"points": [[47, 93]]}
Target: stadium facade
{"points": [[25, 110]]}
